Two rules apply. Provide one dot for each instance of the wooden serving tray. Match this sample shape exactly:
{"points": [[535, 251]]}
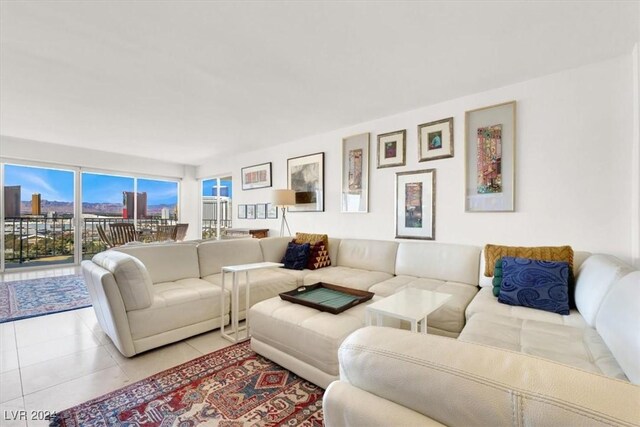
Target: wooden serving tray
{"points": [[326, 297]]}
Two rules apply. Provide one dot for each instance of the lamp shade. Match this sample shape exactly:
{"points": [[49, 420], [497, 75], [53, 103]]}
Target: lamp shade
{"points": [[283, 197]]}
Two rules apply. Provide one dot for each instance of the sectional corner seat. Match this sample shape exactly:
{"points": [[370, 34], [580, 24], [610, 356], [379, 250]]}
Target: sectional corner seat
{"points": [[147, 296]]}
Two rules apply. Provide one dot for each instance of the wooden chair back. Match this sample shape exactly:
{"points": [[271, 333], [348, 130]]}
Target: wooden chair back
{"points": [[122, 232], [165, 232], [103, 236], [181, 232]]}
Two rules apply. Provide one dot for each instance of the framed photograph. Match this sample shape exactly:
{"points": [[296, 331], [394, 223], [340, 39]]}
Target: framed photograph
{"points": [[305, 175], [416, 205], [258, 176], [490, 146], [435, 140], [251, 211], [272, 211], [242, 211], [261, 211], [392, 149], [355, 173]]}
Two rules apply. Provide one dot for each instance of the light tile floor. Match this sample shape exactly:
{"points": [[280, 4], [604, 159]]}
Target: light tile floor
{"points": [[53, 362]]}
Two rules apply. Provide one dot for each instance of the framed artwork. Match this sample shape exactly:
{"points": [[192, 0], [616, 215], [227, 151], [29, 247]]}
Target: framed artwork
{"points": [[392, 149], [305, 175], [272, 211], [242, 211], [261, 211], [258, 176], [490, 139], [355, 173], [416, 204], [251, 211], [435, 140]]}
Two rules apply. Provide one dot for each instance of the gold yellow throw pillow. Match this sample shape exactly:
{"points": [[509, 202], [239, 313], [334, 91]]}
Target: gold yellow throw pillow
{"points": [[545, 253], [312, 238]]}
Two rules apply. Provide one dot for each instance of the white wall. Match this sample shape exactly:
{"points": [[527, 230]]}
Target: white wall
{"points": [[573, 167], [16, 149], [635, 180]]}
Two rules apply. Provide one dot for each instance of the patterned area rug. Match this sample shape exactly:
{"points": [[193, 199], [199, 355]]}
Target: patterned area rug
{"points": [[231, 387], [30, 298]]}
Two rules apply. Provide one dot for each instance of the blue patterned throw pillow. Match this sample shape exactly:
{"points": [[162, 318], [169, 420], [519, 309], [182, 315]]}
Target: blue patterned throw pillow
{"points": [[296, 256], [536, 284]]}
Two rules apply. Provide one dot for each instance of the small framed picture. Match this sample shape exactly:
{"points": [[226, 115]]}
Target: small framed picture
{"points": [[435, 140], [392, 149], [261, 211], [258, 176], [272, 211], [416, 204], [242, 211], [251, 211]]}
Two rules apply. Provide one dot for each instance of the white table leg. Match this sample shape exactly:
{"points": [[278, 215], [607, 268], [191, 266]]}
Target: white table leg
{"points": [[246, 304], [236, 304], [222, 300], [414, 326], [424, 325]]}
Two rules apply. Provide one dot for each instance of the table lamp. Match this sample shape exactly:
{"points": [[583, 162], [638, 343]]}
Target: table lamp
{"points": [[283, 199]]}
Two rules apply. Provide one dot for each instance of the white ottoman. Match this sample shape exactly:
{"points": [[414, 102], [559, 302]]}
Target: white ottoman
{"points": [[302, 339]]}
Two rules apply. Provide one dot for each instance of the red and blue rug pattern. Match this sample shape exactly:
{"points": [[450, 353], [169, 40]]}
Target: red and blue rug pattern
{"points": [[231, 387], [22, 299]]}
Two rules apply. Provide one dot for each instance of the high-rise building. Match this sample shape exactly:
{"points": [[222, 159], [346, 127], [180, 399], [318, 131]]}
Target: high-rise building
{"points": [[12, 201], [164, 213], [128, 204], [36, 204]]}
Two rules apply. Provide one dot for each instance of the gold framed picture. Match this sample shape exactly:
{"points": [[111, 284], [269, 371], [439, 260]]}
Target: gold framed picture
{"points": [[435, 140]]}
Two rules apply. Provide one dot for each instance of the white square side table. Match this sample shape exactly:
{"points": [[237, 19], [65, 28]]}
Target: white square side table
{"points": [[411, 304], [235, 296]]}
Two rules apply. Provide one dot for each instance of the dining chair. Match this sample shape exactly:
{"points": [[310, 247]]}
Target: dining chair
{"points": [[103, 236], [122, 232]]}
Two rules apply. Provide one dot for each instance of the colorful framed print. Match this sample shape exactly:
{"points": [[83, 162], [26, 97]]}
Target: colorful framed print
{"points": [[251, 211], [416, 204], [242, 211], [435, 140], [355, 173], [490, 140], [305, 175], [258, 176], [272, 211], [392, 149], [261, 211]]}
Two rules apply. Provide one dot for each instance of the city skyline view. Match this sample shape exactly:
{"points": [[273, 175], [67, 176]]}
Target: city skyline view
{"points": [[56, 185]]}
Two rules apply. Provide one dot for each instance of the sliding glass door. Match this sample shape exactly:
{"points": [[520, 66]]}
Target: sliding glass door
{"points": [[39, 214]]}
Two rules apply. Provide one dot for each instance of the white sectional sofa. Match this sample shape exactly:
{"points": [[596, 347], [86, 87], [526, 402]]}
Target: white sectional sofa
{"points": [[508, 361]]}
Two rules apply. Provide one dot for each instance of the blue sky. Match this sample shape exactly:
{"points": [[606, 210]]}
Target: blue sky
{"points": [[57, 185], [207, 187]]}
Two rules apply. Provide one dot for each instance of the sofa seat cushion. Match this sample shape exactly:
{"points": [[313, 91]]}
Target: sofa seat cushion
{"points": [[175, 305], [346, 276], [264, 284], [485, 302], [305, 333], [299, 275], [579, 347], [450, 317]]}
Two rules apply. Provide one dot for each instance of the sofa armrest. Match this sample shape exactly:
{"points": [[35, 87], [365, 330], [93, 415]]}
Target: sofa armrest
{"points": [[109, 307], [458, 383], [346, 405]]}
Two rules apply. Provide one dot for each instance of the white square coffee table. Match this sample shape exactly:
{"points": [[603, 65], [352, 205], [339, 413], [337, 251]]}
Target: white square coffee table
{"points": [[411, 304], [235, 296]]}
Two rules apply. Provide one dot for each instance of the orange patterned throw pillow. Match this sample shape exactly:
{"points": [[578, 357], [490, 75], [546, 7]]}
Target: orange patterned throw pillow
{"points": [[318, 257], [544, 253], [312, 238]]}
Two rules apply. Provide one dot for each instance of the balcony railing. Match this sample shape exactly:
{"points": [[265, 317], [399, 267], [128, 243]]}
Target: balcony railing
{"points": [[209, 227]]}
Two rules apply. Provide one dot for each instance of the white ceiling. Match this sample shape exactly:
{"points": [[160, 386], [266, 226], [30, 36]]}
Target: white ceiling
{"points": [[185, 81]]}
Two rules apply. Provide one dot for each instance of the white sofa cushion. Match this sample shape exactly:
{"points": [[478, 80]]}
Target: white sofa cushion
{"points": [[132, 278], [216, 254], [176, 305], [166, 262], [485, 302], [455, 263], [448, 319], [618, 322], [372, 255], [594, 279], [579, 347], [464, 384], [344, 276]]}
